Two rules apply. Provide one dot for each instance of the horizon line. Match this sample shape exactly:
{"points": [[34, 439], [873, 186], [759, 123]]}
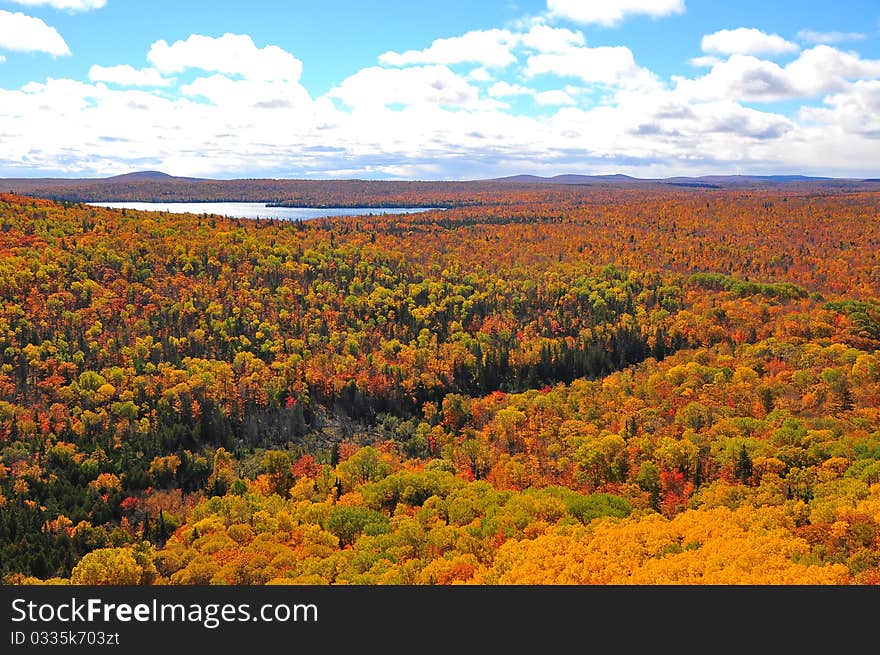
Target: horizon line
{"points": [[161, 174]]}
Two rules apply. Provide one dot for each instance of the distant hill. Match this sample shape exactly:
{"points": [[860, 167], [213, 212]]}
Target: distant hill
{"points": [[150, 176], [695, 185], [733, 180], [29, 184], [704, 181], [156, 186], [564, 179]]}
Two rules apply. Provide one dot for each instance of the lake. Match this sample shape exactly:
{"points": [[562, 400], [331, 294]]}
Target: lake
{"points": [[257, 209]]}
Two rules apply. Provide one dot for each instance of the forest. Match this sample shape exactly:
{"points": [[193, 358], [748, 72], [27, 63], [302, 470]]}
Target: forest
{"points": [[158, 187], [534, 385], [154, 186]]}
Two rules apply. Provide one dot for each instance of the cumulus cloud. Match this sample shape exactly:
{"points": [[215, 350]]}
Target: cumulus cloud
{"points": [[812, 36], [612, 12], [746, 41], [544, 38], [418, 85], [824, 69], [491, 48], [552, 98], [93, 127], [244, 111], [505, 90], [817, 71], [480, 74], [230, 94], [98, 129], [856, 110], [22, 33], [727, 117], [230, 54], [68, 5], [604, 64], [706, 61], [741, 77], [125, 75]]}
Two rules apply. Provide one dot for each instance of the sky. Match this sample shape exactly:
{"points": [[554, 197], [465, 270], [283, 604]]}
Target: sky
{"points": [[454, 90]]}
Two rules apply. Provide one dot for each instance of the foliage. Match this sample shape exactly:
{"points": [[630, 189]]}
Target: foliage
{"points": [[535, 385]]}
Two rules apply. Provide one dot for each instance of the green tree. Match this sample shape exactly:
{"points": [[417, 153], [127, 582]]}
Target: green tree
{"points": [[743, 467], [348, 522], [108, 566], [366, 465]]}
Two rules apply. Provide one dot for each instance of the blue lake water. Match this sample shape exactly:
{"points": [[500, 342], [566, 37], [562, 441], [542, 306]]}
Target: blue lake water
{"points": [[258, 209]]}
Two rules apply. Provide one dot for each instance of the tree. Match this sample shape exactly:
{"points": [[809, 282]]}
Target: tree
{"points": [[108, 566], [366, 465], [276, 465], [348, 522], [743, 468]]}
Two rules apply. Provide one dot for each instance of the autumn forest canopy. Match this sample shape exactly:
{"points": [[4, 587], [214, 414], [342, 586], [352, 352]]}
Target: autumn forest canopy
{"points": [[537, 384]]}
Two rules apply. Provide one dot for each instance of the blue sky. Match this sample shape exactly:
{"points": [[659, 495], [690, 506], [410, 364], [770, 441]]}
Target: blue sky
{"points": [[452, 90]]}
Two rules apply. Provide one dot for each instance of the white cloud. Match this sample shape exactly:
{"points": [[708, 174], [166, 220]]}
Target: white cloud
{"points": [[429, 121], [64, 123], [604, 65], [746, 41], [817, 71], [243, 94], [554, 98], [480, 74], [856, 111], [125, 75], [490, 48], [611, 12], [812, 36], [706, 61], [824, 69], [93, 128], [22, 33], [727, 117], [544, 38], [506, 90], [230, 54], [2, 59], [420, 85], [742, 78], [68, 5]]}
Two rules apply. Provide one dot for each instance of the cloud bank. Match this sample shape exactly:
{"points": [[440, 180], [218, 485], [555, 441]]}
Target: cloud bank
{"points": [[540, 98]]}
